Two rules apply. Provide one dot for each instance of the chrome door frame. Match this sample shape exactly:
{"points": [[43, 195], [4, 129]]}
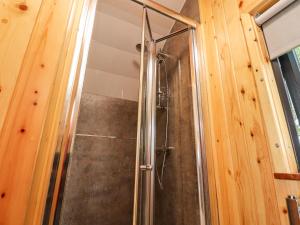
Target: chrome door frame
{"points": [[147, 170], [202, 176], [139, 124]]}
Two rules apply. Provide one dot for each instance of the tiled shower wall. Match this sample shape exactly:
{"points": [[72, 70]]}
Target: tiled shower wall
{"points": [[99, 184], [177, 203]]}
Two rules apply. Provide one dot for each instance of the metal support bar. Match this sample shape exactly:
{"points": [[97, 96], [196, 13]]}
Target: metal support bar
{"points": [[275, 9], [172, 34], [150, 134], [139, 125], [203, 193], [149, 27], [167, 12], [146, 167]]}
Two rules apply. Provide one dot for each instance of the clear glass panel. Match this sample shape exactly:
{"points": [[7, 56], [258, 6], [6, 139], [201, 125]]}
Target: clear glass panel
{"points": [[175, 164], [176, 196]]}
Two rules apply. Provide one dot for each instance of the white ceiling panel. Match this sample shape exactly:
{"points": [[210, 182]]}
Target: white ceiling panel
{"points": [[113, 60], [117, 31], [132, 12], [111, 85]]}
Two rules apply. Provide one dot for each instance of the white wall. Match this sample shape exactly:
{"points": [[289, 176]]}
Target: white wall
{"points": [[111, 85]]}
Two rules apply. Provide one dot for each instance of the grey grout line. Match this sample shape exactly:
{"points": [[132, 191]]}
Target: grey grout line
{"points": [[102, 136]]}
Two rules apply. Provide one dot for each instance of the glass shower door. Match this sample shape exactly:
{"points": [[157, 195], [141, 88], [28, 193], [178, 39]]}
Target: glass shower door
{"points": [[145, 155]]}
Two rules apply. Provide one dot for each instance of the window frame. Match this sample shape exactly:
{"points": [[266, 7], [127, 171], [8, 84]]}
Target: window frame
{"points": [[279, 78]]}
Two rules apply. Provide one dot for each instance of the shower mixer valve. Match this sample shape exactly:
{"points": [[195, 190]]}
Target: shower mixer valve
{"points": [[145, 167]]}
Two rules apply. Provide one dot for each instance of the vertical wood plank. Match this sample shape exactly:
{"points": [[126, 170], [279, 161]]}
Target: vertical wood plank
{"points": [[214, 214], [72, 115], [270, 104], [226, 190], [20, 137], [240, 146], [238, 141], [59, 105], [17, 20], [257, 146], [255, 6]]}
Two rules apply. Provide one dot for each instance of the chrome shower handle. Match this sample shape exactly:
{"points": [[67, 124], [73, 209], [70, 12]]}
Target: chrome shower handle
{"points": [[146, 167]]}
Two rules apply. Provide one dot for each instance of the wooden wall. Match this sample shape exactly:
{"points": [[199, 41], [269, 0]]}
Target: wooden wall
{"points": [[246, 134], [254, 6], [245, 131], [38, 44]]}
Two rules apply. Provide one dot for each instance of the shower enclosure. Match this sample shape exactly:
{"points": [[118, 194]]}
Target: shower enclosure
{"points": [[154, 98]]}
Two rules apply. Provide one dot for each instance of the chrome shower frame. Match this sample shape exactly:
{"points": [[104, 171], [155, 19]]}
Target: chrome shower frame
{"points": [[149, 167]]}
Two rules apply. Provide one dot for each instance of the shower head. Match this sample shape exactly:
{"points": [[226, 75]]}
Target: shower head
{"points": [[138, 47], [160, 55]]}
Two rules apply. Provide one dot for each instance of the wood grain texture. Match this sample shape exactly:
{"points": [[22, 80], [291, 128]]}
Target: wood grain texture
{"points": [[56, 123], [17, 20], [255, 7], [22, 130], [201, 44], [80, 62], [279, 139], [287, 176], [236, 130]]}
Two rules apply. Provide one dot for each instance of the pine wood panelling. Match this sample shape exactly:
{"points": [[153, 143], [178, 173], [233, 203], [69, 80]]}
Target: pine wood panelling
{"points": [[23, 126], [17, 19], [240, 142], [80, 64], [206, 117], [220, 150], [278, 135], [255, 6], [56, 122]]}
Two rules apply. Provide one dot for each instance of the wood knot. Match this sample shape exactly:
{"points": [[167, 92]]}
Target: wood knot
{"points": [[243, 91], [4, 20], [3, 195], [23, 7], [22, 130], [258, 160], [241, 4], [252, 134], [285, 211]]}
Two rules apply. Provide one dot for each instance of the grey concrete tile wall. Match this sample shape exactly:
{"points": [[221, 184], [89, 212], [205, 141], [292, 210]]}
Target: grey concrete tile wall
{"points": [[99, 184], [178, 203], [107, 116], [99, 187]]}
